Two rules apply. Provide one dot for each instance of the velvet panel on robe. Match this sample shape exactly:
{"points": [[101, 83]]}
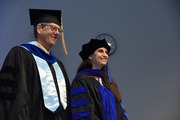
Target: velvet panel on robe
{"points": [[87, 102], [21, 95]]}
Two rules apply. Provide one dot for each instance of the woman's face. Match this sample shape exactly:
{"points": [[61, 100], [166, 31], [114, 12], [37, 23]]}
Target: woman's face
{"points": [[99, 58]]}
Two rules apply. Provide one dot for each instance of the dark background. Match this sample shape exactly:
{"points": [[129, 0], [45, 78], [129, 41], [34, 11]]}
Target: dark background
{"points": [[146, 63]]}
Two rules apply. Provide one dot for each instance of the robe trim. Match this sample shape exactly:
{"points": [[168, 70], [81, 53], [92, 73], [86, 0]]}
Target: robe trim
{"points": [[50, 95], [79, 102], [33, 48], [108, 103], [79, 90], [80, 115]]}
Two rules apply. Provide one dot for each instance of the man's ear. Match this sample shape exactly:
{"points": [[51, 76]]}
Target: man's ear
{"points": [[39, 28]]}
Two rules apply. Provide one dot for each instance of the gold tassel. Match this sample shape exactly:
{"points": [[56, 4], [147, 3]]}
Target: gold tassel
{"points": [[62, 38]]}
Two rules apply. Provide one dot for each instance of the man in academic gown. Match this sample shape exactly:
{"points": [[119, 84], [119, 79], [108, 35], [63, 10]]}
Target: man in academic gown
{"points": [[33, 83]]}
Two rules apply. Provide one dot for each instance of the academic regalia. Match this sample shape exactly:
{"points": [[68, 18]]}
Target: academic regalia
{"points": [[21, 95], [91, 100]]}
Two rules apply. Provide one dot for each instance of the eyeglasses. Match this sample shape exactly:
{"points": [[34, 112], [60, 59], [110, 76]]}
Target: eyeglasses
{"points": [[53, 28]]}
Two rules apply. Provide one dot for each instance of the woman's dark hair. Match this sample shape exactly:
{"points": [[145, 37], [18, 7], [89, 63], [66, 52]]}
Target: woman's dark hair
{"points": [[84, 65], [111, 86]]}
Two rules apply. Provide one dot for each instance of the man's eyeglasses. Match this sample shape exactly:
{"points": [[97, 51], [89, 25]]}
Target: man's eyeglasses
{"points": [[53, 28]]}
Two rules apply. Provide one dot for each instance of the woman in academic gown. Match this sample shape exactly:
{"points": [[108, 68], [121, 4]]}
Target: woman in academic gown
{"points": [[94, 95]]}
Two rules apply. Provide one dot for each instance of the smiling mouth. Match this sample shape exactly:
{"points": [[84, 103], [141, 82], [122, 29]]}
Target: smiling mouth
{"points": [[54, 37], [104, 59]]}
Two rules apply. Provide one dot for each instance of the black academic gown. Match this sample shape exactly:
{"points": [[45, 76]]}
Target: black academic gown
{"points": [[87, 101], [20, 89]]}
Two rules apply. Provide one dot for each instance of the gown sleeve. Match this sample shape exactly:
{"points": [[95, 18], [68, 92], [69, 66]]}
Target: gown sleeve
{"points": [[124, 114], [83, 95], [11, 76]]}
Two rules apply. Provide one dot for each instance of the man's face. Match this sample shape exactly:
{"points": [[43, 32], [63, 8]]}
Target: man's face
{"points": [[48, 34]]}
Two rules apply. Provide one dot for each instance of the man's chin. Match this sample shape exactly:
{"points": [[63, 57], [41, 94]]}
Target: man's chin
{"points": [[53, 42]]}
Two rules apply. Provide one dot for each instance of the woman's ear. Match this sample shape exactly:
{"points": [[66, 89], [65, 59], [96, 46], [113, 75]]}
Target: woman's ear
{"points": [[90, 57]]}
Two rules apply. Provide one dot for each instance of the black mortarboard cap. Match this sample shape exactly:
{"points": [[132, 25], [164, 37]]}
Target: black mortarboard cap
{"points": [[44, 15], [47, 16], [93, 45]]}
